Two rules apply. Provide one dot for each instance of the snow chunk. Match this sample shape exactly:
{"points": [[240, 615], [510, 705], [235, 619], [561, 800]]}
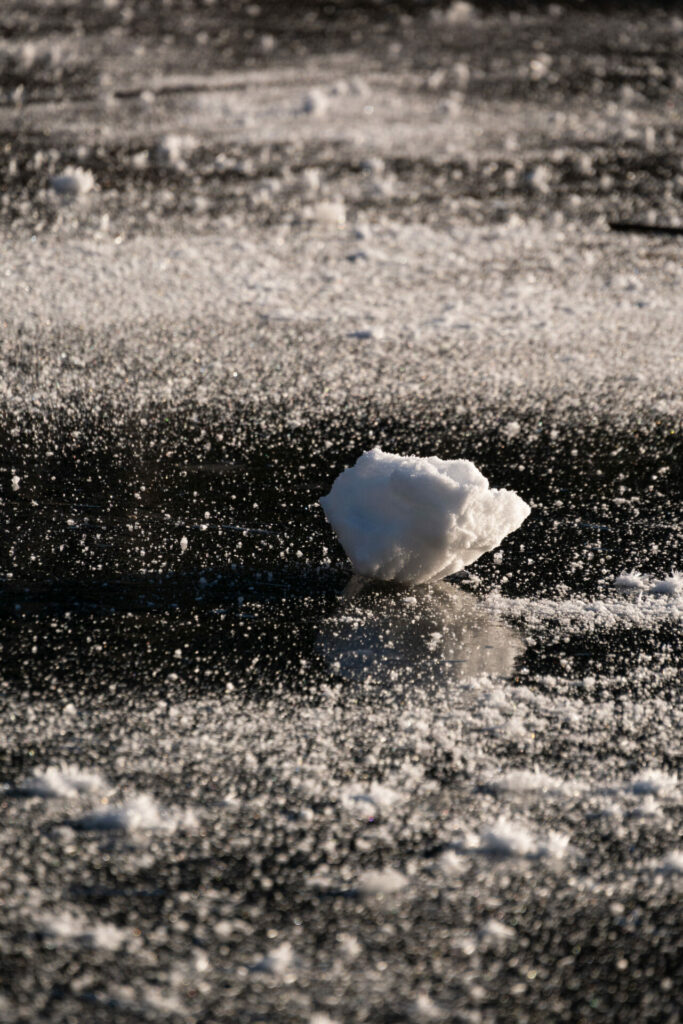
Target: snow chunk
{"points": [[382, 883], [139, 813], [73, 182], [513, 839], [16, 480], [496, 931], [523, 780], [66, 781], [416, 520]]}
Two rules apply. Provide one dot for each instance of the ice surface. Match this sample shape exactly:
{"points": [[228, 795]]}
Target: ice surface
{"points": [[416, 520]]}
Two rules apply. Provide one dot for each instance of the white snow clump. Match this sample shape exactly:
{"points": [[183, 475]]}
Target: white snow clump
{"points": [[139, 813], [417, 520]]}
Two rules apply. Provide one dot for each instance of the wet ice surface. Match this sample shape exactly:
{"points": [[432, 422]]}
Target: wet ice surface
{"points": [[236, 784]]}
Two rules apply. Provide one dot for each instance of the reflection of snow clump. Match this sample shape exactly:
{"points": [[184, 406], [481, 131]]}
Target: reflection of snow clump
{"points": [[416, 520]]}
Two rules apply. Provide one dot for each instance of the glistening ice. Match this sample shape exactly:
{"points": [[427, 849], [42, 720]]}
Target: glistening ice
{"points": [[417, 520]]}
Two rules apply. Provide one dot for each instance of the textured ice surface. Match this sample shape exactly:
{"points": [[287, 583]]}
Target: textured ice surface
{"points": [[416, 520]]}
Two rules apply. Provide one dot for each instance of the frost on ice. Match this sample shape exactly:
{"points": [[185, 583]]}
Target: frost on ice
{"points": [[416, 520]]}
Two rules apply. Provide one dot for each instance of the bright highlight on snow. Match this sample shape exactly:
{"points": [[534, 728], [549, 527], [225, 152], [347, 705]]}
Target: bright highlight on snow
{"points": [[417, 520]]}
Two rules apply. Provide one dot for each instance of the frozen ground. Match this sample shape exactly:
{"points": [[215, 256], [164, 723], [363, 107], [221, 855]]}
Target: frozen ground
{"points": [[240, 247]]}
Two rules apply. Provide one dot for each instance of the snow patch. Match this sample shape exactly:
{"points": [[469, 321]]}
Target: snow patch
{"points": [[382, 882], [65, 781]]}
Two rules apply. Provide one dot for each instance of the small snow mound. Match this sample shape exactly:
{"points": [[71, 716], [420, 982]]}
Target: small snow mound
{"points": [[139, 813], [630, 581], [497, 931], [369, 801], [452, 863], [68, 927], [513, 839], [671, 586], [654, 782], [172, 149], [316, 102], [672, 863], [65, 781], [382, 882], [278, 961], [417, 520], [73, 182], [329, 212]]}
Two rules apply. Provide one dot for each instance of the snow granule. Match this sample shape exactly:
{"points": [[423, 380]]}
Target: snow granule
{"points": [[139, 813], [672, 863], [66, 781], [452, 863], [382, 882], [73, 182], [417, 520], [172, 149], [16, 480]]}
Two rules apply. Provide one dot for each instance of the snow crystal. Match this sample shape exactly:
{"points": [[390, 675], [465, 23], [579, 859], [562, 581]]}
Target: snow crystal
{"points": [[416, 520], [139, 813], [66, 781], [183, 544], [16, 480], [382, 883], [73, 182]]}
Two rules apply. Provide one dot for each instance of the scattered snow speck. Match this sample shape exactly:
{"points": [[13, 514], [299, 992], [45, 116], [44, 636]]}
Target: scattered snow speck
{"points": [[16, 480], [183, 544]]}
